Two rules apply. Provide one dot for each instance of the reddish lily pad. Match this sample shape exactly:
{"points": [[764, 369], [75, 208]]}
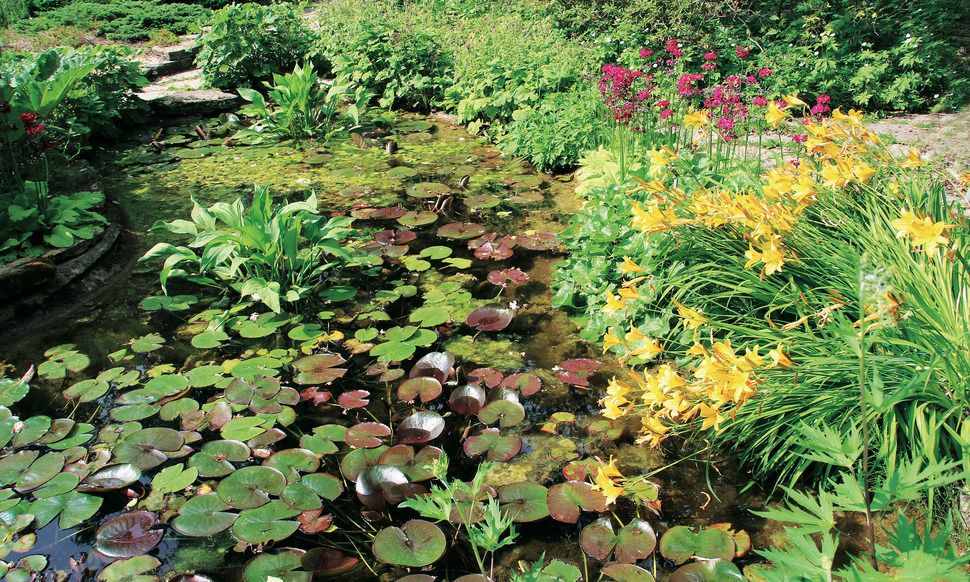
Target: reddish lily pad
{"points": [[437, 365], [354, 399], [420, 427], [507, 276], [318, 369], [367, 435], [525, 501], [415, 465], [328, 562], [567, 499], [526, 384], [426, 388], [314, 521], [129, 534], [493, 444], [634, 542], [416, 544], [467, 400], [489, 376], [490, 318], [461, 230], [395, 237]]}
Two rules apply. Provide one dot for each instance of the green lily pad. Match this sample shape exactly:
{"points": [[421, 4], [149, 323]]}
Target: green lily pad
{"points": [[325, 485], [168, 302], [300, 496], [216, 457], [716, 570], [243, 428], [251, 487], [204, 376], [679, 543], [418, 218], [209, 339], [634, 542], [284, 565], [267, 523], [627, 573], [148, 448], [416, 466], [502, 407], [525, 501], [461, 230], [174, 478], [111, 478], [147, 343], [86, 390], [318, 369], [203, 516], [130, 570], [416, 544], [292, 462], [40, 471], [428, 190], [401, 172], [12, 391]]}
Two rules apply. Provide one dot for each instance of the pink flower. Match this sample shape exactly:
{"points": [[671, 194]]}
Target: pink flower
{"points": [[645, 53], [759, 101], [726, 123], [765, 72], [643, 95], [799, 138], [709, 66], [823, 99], [666, 113], [663, 103], [742, 51], [710, 56], [672, 47]]}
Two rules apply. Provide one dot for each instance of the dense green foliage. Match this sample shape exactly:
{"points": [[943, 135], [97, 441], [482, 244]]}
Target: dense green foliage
{"points": [[278, 254], [249, 42], [34, 220], [121, 20]]}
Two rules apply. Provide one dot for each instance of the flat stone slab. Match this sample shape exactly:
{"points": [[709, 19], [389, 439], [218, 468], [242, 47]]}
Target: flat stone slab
{"points": [[190, 80], [185, 50], [188, 103]]}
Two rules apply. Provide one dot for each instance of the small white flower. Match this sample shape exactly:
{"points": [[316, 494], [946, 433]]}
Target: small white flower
{"points": [[254, 316], [513, 305]]}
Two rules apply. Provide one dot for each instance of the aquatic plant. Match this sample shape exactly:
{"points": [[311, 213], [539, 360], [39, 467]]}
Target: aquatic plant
{"points": [[274, 254]]}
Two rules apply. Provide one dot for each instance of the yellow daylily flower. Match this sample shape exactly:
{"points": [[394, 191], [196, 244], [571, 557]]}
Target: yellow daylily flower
{"points": [[628, 266], [610, 490], [613, 303], [775, 115], [697, 119], [793, 100], [923, 232], [863, 172], [610, 340], [779, 358], [690, 318], [912, 160]]}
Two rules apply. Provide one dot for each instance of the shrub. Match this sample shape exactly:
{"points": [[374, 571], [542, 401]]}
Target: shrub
{"points": [[556, 133], [272, 253], [126, 21], [249, 43], [35, 220], [401, 67], [302, 107], [12, 11]]}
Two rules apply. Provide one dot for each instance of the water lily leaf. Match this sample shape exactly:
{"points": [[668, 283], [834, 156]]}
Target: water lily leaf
{"points": [[429, 315], [558, 571], [417, 467], [401, 172], [74, 508], [292, 462], [129, 534], [284, 565], [174, 478], [130, 570], [502, 407], [111, 478], [490, 318], [634, 542], [526, 384], [323, 438], [627, 573], [168, 302], [270, 522], [299, 496], [85, 390], [204, 376], [12, 466], [251, 487], [147, 343], [58, 485], [437, 365], [496, 446], [525, 501], [426, 388], [252, 367], [416, 544], [420, 427], [181, 407], [461, 230], [357, 460], [418, 218], [436, 252], [716, 570], [243, 428], [148, 448], [318, 369], [381, 483], [325, 485], [489, 376], [61, 360], [216, 457], [679, 543], [209, 339], [428, 190], [328, 562], [353, 399], [203, 516], [134, 412], [467, 400], [567, 499], [30, 430], [40, 471], [367, 435]]}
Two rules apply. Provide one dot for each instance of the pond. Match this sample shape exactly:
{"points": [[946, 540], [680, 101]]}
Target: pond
{"points": [[466, 240]]}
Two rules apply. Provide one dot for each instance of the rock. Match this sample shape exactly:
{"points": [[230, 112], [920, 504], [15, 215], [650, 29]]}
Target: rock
{"points": [[185, 50], [190, 103]]}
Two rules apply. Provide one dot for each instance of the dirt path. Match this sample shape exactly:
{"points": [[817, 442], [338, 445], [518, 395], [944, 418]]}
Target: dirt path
{"points": [[942, 137]]}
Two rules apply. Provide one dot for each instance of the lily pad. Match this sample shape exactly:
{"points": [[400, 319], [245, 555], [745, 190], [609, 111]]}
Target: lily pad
{"points": [[40, 471], [148, 448], [418, 218], [490, 318], [437, 365], [525, 501], [325, 485], [130, 570], [716, 570], [284, 565], [526, 384], [416, 544], [111, 478], [128, 535], [417, 466], [426, 388], [461, 230], [292, 462], [420, 427], [216, 457], [203, 516], [367, 435], [328, 562], [493, 444], [627, 573], [267, 523], [428, 190], [251, 487], [567, 499], [634, 542], [502, 407], [357, 460], [318, 369], [679, 543], [467, 400]]}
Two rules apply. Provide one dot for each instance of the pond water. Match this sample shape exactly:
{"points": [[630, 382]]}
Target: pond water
{"points": [[426, 173]]}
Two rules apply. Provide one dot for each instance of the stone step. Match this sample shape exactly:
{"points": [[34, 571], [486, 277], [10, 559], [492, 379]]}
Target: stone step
{"points": [[167, 60], [184, 50], [190, 103]]}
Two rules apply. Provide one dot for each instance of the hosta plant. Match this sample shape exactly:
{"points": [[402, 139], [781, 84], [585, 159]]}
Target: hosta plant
{"points": [[274, 254]]}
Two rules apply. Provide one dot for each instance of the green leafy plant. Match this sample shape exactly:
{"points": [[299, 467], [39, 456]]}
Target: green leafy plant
{"points": [[35, 220], [302, 107], [248, 43], [116, 19], [275, 254]]}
